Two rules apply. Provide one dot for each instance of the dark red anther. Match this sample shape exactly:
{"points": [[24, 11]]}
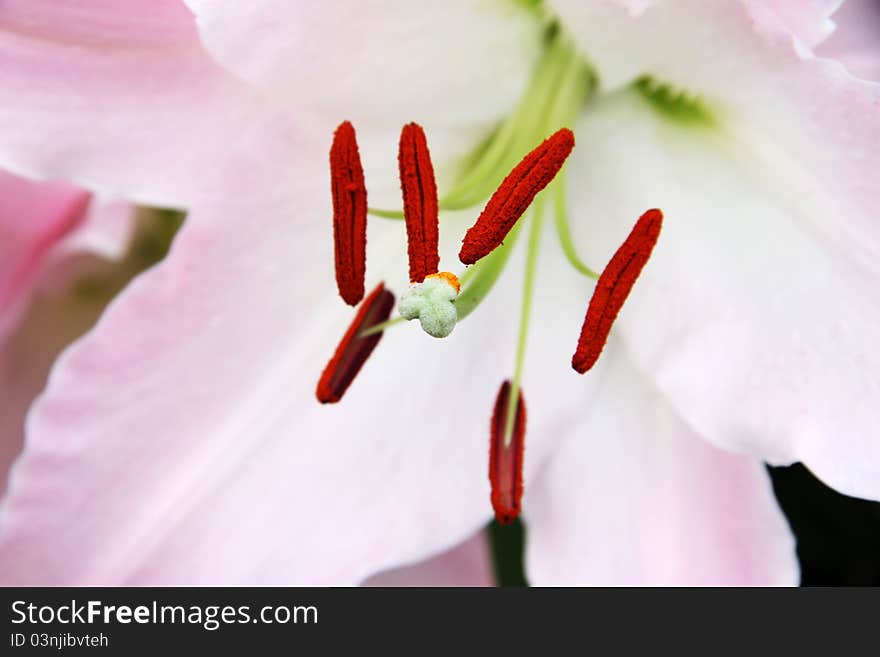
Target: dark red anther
{"points": [[349, 214], [419, 202], [354, 349], [613, 287], [515, 194], [506, 462]]}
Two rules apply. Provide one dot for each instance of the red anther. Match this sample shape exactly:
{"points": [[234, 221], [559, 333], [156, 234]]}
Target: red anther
{"points": [[515, 194], [419, 202], [613, 287], [354, 349], [506, 462], [349, 214]]}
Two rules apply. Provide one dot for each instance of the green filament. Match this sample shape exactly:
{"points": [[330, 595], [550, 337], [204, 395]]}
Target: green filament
{"points": [[563, 232]]}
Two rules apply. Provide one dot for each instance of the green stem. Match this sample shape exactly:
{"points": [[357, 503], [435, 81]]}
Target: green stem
{"points": [[525, 313], [574, 81]]}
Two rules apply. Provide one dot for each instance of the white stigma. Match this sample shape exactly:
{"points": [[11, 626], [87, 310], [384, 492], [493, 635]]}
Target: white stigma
{"points": [[432, 302]]}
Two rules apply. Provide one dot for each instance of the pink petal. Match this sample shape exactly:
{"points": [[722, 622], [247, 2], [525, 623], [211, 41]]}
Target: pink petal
{"points": [[467, 564], [193, 401], [226, 312], [855, 42], [634, 497], [119, 97]]}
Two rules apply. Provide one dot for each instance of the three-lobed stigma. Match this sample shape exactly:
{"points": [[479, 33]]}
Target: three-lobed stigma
{"points": [[432, 302]]}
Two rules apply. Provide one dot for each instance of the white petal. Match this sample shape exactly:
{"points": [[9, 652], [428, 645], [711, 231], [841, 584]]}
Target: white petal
{"points": [[456, 67], [634, 497], [757, 314], [714, 49], [809, 20]]}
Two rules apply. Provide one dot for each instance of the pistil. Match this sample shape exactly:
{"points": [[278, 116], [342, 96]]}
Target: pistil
{"points": [[432, 302]]}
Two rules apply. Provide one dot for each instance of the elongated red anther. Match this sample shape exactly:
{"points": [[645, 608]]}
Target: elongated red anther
{"points": [[613, 287], [420, 206], [349, 214], [515, 194], [506, 463], [354, 349]]}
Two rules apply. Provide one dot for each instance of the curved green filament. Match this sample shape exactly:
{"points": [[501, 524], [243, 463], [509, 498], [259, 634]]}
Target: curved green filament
{"points": [[563, 231], [525, 314], [577, 82]]}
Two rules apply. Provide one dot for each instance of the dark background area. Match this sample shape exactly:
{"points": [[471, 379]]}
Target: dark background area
{"points": [[838, 537]]}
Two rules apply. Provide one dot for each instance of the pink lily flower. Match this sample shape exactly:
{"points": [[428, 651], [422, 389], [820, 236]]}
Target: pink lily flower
{"points": [[179, 441]]}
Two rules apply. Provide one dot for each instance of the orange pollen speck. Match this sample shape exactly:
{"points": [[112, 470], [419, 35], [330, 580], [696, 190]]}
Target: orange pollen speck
{"points": [[449, 277]]}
